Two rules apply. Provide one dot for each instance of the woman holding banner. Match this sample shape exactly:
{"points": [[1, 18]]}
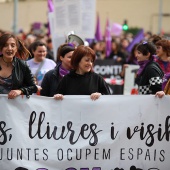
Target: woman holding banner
{"points": [[160, 94], [82, 80], [150, 75], [53, 77], [15, 75]]}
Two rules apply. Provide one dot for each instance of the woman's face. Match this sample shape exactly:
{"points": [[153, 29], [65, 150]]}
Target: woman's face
{"points": [[40, 53], [159, 51], [114, 46], [141, 57], [85, 65], [10, 49], [66, 60], [125, 43]]}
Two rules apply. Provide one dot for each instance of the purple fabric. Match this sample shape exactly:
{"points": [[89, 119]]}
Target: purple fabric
{"points": [[63, 71], [98, 34], [50, 6], [108, 38], [142, 65], [90, 40], [165, 80], [49, 31], [37, 25], [139, 37]]}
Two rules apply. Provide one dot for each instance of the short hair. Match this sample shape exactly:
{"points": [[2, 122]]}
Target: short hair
{"points": [[165, 44], [36, 44], [147, 47], [79, 53], [63, 50]]}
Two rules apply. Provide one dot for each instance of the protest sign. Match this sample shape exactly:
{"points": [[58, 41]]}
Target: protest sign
{"points": [[114, 132]]}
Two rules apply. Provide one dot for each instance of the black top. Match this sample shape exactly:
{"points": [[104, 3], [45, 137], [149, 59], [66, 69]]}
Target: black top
{"points": [[50, 82], [150, 80], [76, 84], [22, 77]]}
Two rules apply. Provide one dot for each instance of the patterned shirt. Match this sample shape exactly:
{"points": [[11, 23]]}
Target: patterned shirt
{"points": [[150, 81], [5, 85]]}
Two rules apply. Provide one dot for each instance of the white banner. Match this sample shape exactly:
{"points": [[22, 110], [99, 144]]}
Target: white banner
{"points": [[115, 132]]}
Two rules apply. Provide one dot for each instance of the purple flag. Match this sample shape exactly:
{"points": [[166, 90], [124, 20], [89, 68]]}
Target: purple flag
{"points": [[139, 37], [50, 6], [37, 25], [108, 38], [89, 40], [98, 34]]}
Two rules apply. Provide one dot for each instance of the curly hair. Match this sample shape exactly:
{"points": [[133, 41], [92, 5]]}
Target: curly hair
{"points": [[165, 44]]}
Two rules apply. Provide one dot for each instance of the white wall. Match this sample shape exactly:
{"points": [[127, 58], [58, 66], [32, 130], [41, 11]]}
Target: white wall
{"points": [[139, 13], [28, 12]]}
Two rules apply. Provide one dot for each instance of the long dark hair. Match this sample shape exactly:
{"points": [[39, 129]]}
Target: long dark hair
{"points": [[22, 51]]}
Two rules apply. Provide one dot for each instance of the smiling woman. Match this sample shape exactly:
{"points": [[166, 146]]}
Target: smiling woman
{"points": [[39, 64], [150, 75], [82, 80], [53, 77], [15, 75]]}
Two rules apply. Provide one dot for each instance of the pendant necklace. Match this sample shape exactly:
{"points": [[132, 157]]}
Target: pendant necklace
{"points": [[7, 63]]}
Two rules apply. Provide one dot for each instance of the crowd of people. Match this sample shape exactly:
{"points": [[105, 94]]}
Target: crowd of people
{"points": [[28, 65]]}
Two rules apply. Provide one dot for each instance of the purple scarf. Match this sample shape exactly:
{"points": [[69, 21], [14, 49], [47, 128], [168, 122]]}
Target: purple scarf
{"points": [[142, 65], [63, 71], [165, 80]]}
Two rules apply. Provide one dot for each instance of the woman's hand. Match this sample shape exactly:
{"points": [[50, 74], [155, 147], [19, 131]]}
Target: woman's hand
{"points": [[122, 73], [95, 96], [39, 88], [160, 94], [14, 93], [58, 96]]}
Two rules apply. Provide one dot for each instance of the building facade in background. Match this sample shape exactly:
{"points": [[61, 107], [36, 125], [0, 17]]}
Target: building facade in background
{"points": [[138, 13]]}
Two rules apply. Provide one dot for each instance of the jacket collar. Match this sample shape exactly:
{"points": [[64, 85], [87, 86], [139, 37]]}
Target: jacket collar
{"points": [[56, 69]]}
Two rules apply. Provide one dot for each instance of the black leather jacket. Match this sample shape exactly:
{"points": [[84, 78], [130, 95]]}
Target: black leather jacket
{"points": [[22, 78]]}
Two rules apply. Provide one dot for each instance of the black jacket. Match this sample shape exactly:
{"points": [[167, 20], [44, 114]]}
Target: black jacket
{"points": [[22, 78], [50, 82], [150, 80]]}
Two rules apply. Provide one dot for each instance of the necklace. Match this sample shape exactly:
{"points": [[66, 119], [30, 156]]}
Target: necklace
{"points": [[7, 63]]}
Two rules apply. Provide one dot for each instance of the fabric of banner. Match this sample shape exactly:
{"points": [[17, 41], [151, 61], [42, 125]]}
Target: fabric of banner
{"points": [[77, 133]]}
